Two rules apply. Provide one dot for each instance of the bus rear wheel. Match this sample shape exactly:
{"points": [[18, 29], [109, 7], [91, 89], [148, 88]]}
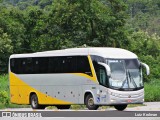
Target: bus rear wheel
{"points": [[34, 102], [63, 106], [120, 107], [89, 101]]}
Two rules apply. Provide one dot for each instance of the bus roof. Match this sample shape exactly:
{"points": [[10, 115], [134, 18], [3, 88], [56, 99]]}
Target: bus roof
{"points": [[106, 52]]}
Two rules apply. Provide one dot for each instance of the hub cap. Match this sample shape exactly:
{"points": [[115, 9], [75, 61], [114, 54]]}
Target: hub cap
{"points": [[90, 102], [34, 102]]}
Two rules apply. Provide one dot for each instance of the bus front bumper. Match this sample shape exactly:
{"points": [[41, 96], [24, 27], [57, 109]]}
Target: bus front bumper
{"points": [[113, 97]]}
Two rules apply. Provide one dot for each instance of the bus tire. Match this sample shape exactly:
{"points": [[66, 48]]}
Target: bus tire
{"points": [[120, 107], [34, 102], [63, 106], [89, 101]]}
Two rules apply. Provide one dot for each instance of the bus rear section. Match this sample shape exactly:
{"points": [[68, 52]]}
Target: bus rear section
{"points": [[34, 80]]}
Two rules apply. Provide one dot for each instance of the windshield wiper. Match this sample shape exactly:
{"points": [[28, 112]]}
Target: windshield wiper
{"points": [[125, 80], [131, 78]]}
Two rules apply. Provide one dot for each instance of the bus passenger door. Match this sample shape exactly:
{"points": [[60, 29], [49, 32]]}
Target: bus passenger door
{"points": [[103, 80]]}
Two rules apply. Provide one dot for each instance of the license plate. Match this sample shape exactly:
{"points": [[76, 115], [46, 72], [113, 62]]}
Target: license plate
{"points": [[129, 101]]}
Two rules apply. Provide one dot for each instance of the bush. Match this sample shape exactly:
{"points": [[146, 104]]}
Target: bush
{"points": [[4, 99], [4, 90], [152, 91]]}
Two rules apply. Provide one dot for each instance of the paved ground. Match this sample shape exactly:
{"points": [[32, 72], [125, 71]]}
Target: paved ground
{"points": [[149, 106]]}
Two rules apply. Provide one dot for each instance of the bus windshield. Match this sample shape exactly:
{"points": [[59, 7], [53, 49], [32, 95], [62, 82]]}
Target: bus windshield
{"points": [[125, 74]]}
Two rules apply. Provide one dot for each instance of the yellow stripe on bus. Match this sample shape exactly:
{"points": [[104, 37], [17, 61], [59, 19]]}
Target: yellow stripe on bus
{"points": [[94, 78], [20, 91]]}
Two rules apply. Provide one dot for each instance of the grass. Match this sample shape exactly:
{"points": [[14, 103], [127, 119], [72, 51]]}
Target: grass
{"points": [[152, 91], [51, 107], [135, 105], [4, 83], [10, 105], [77, 107]]}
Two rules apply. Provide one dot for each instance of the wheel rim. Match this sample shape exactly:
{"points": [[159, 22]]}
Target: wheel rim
{"points": [[90, 102], [34, 102]]}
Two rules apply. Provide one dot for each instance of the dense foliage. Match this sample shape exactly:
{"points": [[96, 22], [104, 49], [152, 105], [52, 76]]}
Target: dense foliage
{"points": [[38, 25]]}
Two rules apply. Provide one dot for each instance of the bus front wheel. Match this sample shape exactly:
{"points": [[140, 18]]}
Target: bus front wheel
{"points": [[89, 101], [120, 107], [34, 102]]}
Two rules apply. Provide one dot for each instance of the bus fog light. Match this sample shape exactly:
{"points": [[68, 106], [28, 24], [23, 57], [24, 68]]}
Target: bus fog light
{"points": [[112, 100]]}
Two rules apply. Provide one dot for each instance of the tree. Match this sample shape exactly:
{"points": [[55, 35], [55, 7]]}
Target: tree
{"points": [[147, 47], [11, 22], [144, 15], [5, 50], [95, 23], [36, 33]]}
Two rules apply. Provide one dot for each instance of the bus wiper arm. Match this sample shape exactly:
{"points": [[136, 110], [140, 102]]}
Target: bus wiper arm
{"points": [[131, 78], [125, 80]]}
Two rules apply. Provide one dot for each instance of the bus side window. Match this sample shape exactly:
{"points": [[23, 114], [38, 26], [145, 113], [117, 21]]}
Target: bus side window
{"points": [[83, 65], [102, 75], [22, 65], [12, 65], [43, 64], [51, 67], [36, 66], [69, 65], [16, 65], [58, 64], [29, 66]]}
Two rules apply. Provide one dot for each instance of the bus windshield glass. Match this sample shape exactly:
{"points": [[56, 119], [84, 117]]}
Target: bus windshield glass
{"points": [[125, 74]]}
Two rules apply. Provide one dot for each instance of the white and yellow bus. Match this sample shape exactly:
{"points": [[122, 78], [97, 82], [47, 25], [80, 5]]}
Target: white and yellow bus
{"points": [[90, 76]]}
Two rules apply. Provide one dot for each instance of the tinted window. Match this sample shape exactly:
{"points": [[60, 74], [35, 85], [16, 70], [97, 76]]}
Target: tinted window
{"points": [[100, 70], [40, 65], [101, 75], [69, 65], [27, 65], [83, 65], [132, 64], [62, 64], [97, 59], [65, 64]]}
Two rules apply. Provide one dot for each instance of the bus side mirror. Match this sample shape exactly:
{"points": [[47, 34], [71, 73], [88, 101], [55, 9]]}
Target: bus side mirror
{"points": [[147, 68], [108, 70]]}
